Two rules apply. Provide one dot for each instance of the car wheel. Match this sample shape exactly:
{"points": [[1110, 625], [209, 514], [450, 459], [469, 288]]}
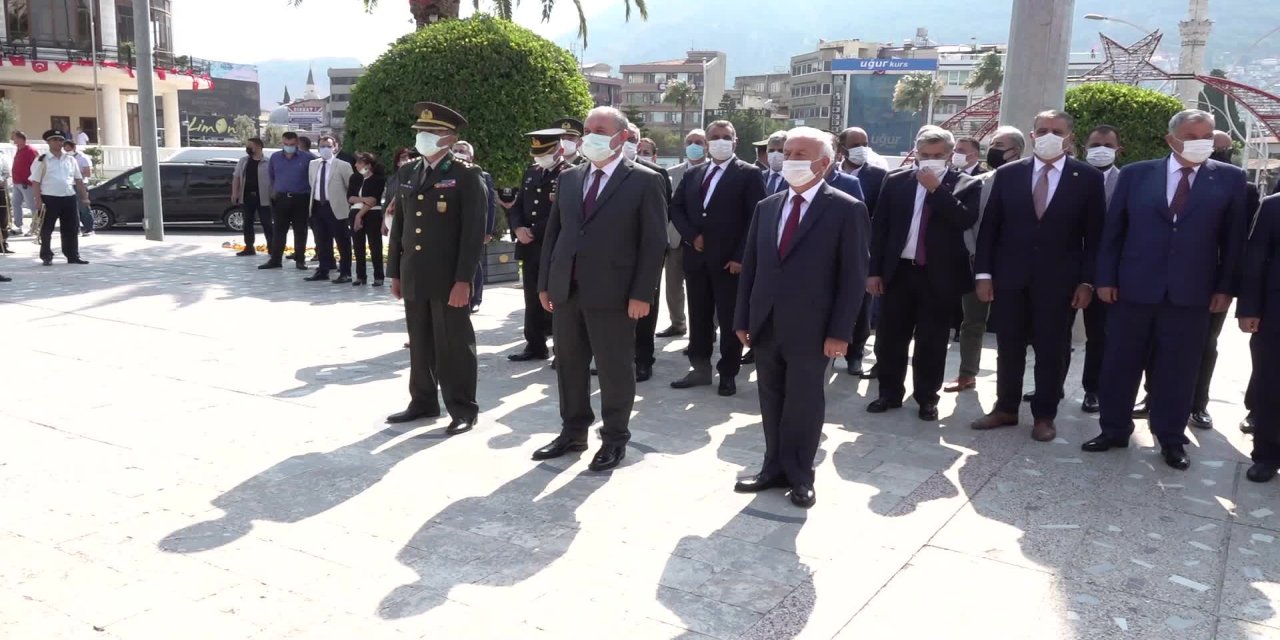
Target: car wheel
{"points": [[233, 219], [102, 217]]}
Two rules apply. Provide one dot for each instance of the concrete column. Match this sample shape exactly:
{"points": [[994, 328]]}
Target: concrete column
{"points": [[172, 123], [112, 125], [1195, 34], [107, 23], [1039, 49]]}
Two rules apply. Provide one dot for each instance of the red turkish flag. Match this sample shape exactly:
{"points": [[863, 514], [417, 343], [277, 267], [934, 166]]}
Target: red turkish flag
{"points": [[130, 70], [84, 62], [18, 61], [160, 73], [40, 66], [63, 66], [111, 64]]}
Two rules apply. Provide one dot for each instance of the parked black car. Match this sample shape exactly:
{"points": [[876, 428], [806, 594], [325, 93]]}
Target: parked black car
{"points": [[191, 192]]}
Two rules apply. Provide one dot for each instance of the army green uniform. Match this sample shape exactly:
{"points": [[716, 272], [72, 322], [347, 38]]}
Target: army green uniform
{"points": [[437, 239]]}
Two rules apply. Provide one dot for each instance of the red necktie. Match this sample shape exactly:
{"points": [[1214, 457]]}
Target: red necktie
{"points": [[921, 255], [706, 184], [589, 202], [1181, 195], [789, 229]]}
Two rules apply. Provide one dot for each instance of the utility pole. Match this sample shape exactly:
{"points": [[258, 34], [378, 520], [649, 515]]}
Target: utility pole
{"points": [[1195, 34], [1040, 40], [152, 213]]}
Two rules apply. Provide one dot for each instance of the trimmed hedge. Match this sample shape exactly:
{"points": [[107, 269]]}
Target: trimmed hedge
{"points": [[505, 79], [1141, 115]]}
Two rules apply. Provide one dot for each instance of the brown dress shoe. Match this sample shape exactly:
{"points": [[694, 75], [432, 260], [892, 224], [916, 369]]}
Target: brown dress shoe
{"points": [[963, 383], [1043, 430], [995, 420]]}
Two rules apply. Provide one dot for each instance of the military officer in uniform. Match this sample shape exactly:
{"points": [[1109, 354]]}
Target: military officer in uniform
{"points": [[570, 139], [437, 238], [527, 219]]}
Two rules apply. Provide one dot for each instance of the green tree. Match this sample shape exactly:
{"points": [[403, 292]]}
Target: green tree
{"points": [[244, 127], [503, 78], [8, 117], [1141, 115], [636, 116], [916, 92], [681, 94], [988, 75], [751, 125], [728, 104], [272, 136]]}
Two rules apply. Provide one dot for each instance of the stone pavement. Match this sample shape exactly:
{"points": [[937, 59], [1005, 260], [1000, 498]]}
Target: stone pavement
{"points": [[195, 449]]}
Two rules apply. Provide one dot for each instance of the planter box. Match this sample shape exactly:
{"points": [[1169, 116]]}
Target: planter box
{"points": [[500, 262]]}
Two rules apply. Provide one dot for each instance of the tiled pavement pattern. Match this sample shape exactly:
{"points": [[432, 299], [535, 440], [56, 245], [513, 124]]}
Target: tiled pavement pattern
{"points": [[192, 448]]}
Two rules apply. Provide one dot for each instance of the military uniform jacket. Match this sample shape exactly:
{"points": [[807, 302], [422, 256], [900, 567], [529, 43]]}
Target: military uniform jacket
{"points": [[532, 208], [437, 231]]}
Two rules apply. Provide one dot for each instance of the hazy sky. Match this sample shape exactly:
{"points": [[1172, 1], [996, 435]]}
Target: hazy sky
{"points": [[329, 28]]}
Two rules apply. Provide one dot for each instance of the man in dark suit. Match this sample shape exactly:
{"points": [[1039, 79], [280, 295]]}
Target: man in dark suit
{"points": [[1036, 255], [712, 211], [647, 326], [773, 180], [527, 218], [1172, 241], [854, 150], [806, 252], [967, 157], [601, 260], [1259, 315], [437, 238], [920, 265]]}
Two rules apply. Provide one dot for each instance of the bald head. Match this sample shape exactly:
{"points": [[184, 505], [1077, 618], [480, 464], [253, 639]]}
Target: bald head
{"points": [[1221, 140]]}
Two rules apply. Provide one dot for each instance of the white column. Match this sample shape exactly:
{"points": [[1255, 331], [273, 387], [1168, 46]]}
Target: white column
{"points": [[172, 123], [112, 125], [107, 23], [1040, 40]]}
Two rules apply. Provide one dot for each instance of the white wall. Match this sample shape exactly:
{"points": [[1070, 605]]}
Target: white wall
{"points": [[35, 107]]}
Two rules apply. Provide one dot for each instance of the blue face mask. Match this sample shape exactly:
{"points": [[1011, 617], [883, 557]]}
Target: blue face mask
{"points": [[694, 152], [289, 148]]}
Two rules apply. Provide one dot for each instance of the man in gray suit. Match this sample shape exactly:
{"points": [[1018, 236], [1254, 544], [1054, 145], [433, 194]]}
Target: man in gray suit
{"points": [[601, 259], [806, 255]]}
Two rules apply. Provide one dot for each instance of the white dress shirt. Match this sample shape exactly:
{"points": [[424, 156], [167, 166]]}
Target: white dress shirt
{"points": [[1055, 177], [608, 170], [769, 183], [913, 236], [808, 195], [1175, 176], [324, 173], [57, 175], [715, 180]]}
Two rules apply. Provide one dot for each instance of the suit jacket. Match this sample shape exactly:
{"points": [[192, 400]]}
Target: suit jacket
{"points": [[954, 209], [666, 177], [1151, 258], [723, 223], [676, 174], [532, 207], [815, 292], [1260, 277], [872, 179], [1019, 250], [339, 175], [985, 182], [849, 184], [437, 230], [617, 255], [780, 186]]}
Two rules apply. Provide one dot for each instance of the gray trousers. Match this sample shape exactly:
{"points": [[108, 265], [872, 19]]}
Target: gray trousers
{"points": [[674, 277], [972, 329], [609, 336]]}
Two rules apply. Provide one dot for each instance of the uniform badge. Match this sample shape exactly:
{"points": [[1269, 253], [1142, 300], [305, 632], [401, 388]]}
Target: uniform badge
{"points": [[446, 184], [442, 206]]}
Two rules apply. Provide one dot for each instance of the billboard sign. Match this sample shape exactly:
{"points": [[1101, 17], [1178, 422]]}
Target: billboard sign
{"points": [[883, 65]]}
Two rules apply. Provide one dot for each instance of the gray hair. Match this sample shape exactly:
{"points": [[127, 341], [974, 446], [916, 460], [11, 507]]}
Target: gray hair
{"points": [[695, 132], [619, 118], [1054, 114], [1190, 115], [631, 126], [930, 134], [778, 136], [471, 150], [1014, 133], [821, 137], [724, 124]]}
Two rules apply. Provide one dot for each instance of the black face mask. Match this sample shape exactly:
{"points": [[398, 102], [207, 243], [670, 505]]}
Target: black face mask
{"points": [[248, 151], [995, 158], [1222, 156]]}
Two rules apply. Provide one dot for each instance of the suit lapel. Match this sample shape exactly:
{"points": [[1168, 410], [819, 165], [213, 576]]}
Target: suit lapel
{"points": [[810, 216], [1162, 196], [730, 169], [1066, 184], [620, 174], [1204, 185]]}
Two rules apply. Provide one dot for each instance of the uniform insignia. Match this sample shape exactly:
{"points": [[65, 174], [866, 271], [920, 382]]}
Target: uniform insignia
{"points": [[446, 184], [442, 206]]}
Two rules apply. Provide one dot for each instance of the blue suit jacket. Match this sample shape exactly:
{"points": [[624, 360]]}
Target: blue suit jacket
{"points": [[1151, 258], [872, 179], [851, 185]]}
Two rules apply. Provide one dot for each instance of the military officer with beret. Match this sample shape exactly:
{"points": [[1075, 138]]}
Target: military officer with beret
{"points": [[570, 139], [527, 219], [436, 241]]}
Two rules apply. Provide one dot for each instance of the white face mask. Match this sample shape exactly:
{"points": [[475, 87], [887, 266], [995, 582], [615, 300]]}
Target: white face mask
{"points": [[959, 160], [595, 146], [427, 143], [858, 155], [936, 167], [1049, 146], [326, 153], [1196, 151], [797, 172], [365, 172], [570, 147], [1101, 157], [462, 155], [776, 158], [630, 149], [720, 150], [545, 161]]}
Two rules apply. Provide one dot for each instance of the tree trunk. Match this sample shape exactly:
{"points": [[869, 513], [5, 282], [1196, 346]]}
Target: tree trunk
{"points": [[428, 12]]}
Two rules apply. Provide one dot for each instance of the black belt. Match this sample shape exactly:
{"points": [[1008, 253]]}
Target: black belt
{"points": [[295, 195], [909, 263]]}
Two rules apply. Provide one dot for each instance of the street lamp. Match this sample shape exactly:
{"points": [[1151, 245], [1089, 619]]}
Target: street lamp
{"points": [[1101, 18]]}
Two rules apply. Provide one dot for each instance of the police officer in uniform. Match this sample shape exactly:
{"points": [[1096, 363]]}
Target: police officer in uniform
{"points": [[570, 139], [437, 238], [527, 220]]}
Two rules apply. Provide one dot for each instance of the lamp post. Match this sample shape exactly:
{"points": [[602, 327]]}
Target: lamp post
{"points": [[93, 55], [1040, 37], [1101, 18], [152, 213]]}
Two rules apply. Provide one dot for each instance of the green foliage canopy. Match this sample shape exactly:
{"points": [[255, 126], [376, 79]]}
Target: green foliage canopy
{"points": [[1141, 115], [504, 79]]}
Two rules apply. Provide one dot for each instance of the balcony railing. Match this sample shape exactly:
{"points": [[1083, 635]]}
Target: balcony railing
{"points": [[70, 51]]}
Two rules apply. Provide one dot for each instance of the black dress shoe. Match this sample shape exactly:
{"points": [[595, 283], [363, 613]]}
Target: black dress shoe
{"points": [[881, 405], [47, 263], [1246, 425], [271, 265], [5, 279], [1176, 457], [749, 357], [1201, 419], [644, 372], [246, 252], [728, 387], [460, 426], [608, 457], [411, 414], [358, 282], [760, 482], [318, 276], [1141, 411], [803, 496], [929, 412], [1090, 404], [341, 280], [289, 256], [1103, 443], [1029, 396], [526, 356], [854, 367], [559, 447], [1260, 472], [376, 283], [873, 373], [302, 266], [670, 332]]}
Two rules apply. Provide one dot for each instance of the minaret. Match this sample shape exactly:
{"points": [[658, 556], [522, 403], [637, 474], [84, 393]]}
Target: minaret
{"points": [[310, 92], [1195, 33], [286, 99]]}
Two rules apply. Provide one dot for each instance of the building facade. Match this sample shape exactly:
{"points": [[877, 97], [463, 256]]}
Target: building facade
{"points": [[644, 86], [765, 91], [341, 81], [606, 90], [956, 65], [810, 87]]}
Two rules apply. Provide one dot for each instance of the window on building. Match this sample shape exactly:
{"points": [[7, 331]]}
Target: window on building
{"points": [[826, 66], [649, 78], [955, 78], [659, 116], [826, 89], [49, 22], [824, 112], [338, 114], [60, 122], [634, 78]]}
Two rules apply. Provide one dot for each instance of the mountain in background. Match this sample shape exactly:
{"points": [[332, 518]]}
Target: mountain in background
{"points": [[275, 75]]}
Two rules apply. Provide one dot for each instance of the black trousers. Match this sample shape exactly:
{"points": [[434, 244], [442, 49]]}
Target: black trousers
{"points": [[442, 354], [329, 230], [289, 209], [370, 232], [1208, 362], [1265, 348], [646, 328], [1039, 316], [65, 211], [791, 376], [713, 296], [911, 308], [254, 209], [537, 321], [1095, 331], [608, 335], [861, 331]]}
